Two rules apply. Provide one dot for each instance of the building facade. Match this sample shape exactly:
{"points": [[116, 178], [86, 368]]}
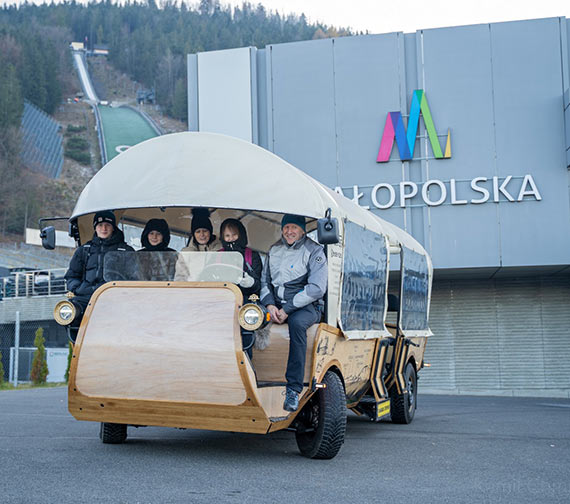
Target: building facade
{"points": [[461, 137]]}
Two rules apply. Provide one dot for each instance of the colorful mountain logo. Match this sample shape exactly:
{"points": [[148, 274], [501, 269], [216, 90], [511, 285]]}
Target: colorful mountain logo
{"points": [[406, 140]]}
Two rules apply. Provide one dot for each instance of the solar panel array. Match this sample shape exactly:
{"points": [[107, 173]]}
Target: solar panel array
{"points": [[42, 144]]}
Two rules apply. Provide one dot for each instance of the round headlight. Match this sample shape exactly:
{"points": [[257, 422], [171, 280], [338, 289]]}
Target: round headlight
{"points": [[251, 317], [64, 312]]}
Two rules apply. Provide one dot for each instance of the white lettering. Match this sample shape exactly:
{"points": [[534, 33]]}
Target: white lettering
{"points": [[454, 200], [480, 189], [528, 180], [338, 190], [356, 197], [374, 196], [501, 189], [403, 195], [442, 189]]}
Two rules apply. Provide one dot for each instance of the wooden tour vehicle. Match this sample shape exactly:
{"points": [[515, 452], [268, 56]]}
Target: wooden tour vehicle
{"points": [[169, 352]]}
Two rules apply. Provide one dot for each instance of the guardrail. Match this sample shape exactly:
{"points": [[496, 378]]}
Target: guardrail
{"points": [[47, 282]]}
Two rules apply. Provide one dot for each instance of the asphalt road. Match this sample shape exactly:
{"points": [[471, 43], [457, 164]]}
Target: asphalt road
{"points": [[458, 449]]}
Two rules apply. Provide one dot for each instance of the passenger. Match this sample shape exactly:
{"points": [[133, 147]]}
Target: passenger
{"points": [[201, 239], [294, 279], [155, 238], [85, 273], [234, 239]]}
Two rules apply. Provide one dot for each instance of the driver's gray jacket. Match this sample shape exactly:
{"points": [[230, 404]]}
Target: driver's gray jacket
{"points": [[294, 275]]}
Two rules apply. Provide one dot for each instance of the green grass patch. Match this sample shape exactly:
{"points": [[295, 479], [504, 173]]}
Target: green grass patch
{"points": [[26, 386]]}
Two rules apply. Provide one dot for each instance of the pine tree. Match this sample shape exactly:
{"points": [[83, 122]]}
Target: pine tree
{"points": [[69, 355], [11, 103], [39, 365]]}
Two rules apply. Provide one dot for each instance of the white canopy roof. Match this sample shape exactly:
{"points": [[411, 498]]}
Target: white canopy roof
{"points": [[210, 170]]}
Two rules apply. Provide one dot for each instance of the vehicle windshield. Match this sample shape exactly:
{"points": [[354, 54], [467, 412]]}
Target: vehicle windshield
{"points": [[173, 266]]}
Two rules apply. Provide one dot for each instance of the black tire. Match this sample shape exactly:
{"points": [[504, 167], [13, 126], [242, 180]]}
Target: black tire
{"points": [[112, 433], [322, 422], [403, 406]]}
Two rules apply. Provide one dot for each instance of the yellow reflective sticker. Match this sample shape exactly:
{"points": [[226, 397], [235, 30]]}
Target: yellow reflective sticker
{"points": [[383, 409]]}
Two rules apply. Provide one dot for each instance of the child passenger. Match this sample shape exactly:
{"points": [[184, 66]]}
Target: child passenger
{"points": [[155, 238], [234, 238]]}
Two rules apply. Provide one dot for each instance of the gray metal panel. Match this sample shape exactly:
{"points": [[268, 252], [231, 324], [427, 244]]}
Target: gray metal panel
{"points": [[367, 71], [440, 349], [366, 89], [530, 139], [418, 214], [262, 102], [508, 336], [456, 77], [303, 107], [520, 347], [193, 93], [555, 314], [254, 95]]}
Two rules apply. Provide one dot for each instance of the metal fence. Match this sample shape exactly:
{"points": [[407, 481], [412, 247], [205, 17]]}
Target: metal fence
{"points": [[17, 348], [46, 282]]}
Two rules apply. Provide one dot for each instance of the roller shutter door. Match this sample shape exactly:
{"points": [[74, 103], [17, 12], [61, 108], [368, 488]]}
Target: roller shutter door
{"points": [[502, 336]]}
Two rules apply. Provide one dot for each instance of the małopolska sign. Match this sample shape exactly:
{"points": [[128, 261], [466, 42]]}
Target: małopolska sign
{"points": [[436, 192]]}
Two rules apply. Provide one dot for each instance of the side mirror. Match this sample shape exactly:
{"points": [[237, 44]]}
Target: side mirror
{"points": [[327, 229], [47, 235]]}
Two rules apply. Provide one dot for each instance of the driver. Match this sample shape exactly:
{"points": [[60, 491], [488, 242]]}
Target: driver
{"points": [[294, 279], [85, 273]]}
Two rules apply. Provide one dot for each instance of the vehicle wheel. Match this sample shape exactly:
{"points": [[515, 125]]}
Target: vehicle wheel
{"points": [[112, 433], [322, 422], [403, 406]]}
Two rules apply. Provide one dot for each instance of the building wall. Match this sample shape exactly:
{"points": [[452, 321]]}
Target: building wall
{"points": [[501, 296], [500, 336], [498, 89]]}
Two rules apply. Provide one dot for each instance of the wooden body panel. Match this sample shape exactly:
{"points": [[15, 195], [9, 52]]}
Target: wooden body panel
{"points": [[169, 354], [354, 358], [163, 344], [271, 363]]}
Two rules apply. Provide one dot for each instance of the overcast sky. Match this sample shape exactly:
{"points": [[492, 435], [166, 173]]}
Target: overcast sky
{"points": [[383, 16]]}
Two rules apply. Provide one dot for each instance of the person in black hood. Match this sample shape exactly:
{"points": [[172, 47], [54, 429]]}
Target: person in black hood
{"points": [[155, 238], [234, 239], [85, 273]]}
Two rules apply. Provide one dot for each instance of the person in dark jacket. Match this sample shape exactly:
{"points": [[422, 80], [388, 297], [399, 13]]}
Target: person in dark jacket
{"points": [[155, 238], [85, 273], [234, 239]]}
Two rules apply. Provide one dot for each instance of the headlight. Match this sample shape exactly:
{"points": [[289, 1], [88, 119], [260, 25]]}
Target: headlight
{"points": [[251, 316], [64, 312]]}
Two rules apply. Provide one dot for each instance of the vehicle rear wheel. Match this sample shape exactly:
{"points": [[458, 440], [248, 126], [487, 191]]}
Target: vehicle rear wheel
{"points": [[322, 422], [403, 406], [112, 433]]}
